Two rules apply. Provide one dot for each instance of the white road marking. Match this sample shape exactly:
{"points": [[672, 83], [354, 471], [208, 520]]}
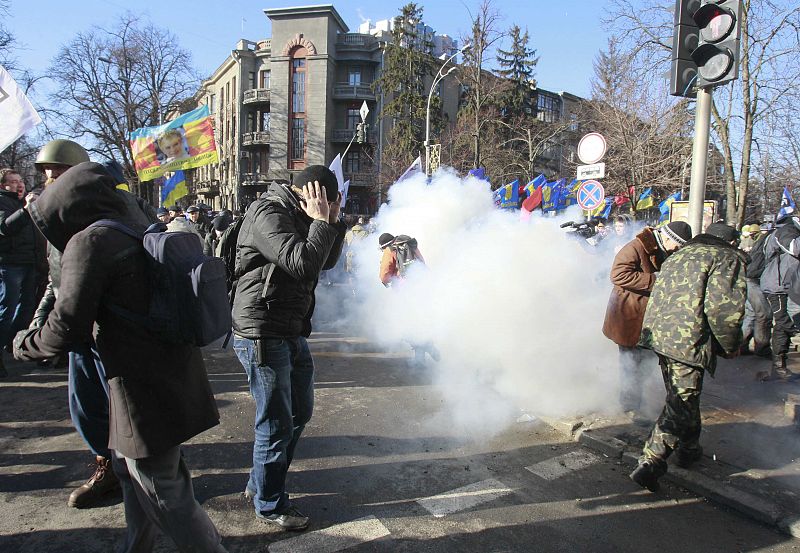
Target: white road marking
{"points": [[464, 498], [334, 538], [563, 464]]}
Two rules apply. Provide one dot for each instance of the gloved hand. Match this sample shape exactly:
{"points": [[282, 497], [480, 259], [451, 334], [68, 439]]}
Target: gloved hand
{"points": [[18, 339]]}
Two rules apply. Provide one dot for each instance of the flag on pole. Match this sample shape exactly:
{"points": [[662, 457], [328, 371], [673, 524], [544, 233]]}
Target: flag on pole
{"points": [[413, 169], [478, 173], [549, 195], [336, 168], [17, 115], [663, 207], [604, 209], [507, 197], [535, 184], [568, 194], [174, 189], [345, 188], [183, 143], [646, 199], [787, 203]]}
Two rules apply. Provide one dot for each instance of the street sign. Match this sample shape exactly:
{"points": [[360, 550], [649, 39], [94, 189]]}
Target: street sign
{"points": [[592, 148], [364, 111], [594, 171], [591, 195]]}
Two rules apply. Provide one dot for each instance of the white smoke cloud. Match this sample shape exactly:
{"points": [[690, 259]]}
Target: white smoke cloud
{"points": [[514, 307]]}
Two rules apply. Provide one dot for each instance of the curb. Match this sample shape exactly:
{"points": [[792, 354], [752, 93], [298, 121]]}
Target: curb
{"points": [[743, 502]]}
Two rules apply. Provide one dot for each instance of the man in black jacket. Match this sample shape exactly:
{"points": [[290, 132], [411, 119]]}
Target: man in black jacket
{"points": [[152, 410], [18, 258], [287, 238]]}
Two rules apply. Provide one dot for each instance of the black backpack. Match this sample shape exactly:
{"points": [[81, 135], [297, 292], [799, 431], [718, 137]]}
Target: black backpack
{"points": [[404, 254], [189, 302], [227, 252], [758, 261]]}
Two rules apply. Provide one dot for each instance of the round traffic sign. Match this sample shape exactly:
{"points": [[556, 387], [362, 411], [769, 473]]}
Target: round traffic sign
{"points": [[591, 195], [591, 148]]}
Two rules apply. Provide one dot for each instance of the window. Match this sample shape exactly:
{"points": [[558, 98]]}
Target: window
{"points": [[253, 82], [264, 123], [573, 122], [298, 139], [264, 79], [297, 114], [235, 92], [548, 108], [354, 75], [251, 122], [212, 103], [353, 118], [299, 86], [352, 162]]}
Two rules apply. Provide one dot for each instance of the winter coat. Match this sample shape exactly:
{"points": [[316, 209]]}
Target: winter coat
{"points": [[159, 393], [18, 242], [280, 254], [697, 303], [633, 275], [210, 243], [781, 253]]}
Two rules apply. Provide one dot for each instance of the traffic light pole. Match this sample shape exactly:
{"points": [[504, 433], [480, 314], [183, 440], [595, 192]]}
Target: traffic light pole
{"points": [[697, 186]]}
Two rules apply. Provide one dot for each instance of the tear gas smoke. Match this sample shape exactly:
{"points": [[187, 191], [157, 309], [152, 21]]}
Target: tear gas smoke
{"points": [[514, 307]]}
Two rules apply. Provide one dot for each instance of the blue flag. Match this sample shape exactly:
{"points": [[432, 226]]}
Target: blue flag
{"points": [[568, 194], [534, 184], [664, 205], [787, 203], [479, 173], [174, 189], [507, 197], [549, 196]]}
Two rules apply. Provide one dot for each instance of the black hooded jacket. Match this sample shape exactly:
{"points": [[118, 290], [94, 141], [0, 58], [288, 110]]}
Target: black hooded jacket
{"points": [[18, 241], [159, 393], [280, 254]]}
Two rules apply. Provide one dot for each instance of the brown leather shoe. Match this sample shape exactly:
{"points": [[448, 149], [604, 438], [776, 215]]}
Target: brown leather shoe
{"points": [[101, 483]]}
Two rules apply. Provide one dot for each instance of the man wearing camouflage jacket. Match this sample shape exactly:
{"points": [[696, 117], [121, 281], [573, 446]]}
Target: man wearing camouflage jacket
{"points": [[695, 313]]}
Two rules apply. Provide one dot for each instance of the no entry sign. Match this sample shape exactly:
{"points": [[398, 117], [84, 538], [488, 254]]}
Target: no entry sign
{"points": [[591, 195]]}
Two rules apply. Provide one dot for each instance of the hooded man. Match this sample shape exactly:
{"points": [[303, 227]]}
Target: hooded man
{"points": [[103, 268], [288, 236], [695, 313], [633, 276]]}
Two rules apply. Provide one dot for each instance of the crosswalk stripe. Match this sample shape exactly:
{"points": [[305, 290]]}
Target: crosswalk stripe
{"points": [[464, 498], [557, 467], [334, 538]]}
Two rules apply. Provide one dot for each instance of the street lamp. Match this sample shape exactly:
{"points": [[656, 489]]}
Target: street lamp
{"points": [[439, 76]]}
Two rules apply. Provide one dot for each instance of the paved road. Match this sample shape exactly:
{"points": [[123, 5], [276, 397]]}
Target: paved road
{"points": [[380, 468]]}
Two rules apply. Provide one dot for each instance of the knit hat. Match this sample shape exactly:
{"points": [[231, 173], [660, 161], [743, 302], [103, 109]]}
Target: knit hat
{"points": [[678, 231], [723, 231], [162, 211], [385, 240], [220, 223], [321, 174]]}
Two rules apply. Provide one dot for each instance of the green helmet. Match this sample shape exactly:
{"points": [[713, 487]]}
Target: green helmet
{"points": [[61, 152]]}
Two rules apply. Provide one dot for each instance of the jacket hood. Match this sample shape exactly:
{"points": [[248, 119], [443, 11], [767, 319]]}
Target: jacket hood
{"points": [[286, 195], [84, 194]]}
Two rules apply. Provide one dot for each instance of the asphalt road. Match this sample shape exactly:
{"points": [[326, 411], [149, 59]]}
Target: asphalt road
{"points": [[380, 468]]}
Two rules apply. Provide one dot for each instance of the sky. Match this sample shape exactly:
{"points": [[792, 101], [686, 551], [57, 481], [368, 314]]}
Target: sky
{"points": [[567, 34]]}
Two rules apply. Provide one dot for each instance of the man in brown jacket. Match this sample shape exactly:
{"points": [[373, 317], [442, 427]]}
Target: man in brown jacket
{"points": [[633, 276]]}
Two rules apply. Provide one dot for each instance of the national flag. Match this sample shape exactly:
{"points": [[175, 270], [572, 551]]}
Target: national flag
{"points": [[621, 200], [646, 199], [559, 194], [17, 115], [787, 203], [663, 207], [413, 169], [534, 200], [535, 184], [604, 209], [478, 173], [174, 189], [507, 197], [569, 194], [183, 143]]}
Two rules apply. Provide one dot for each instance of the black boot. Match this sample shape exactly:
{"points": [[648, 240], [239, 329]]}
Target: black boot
{"points": [[685, 458], [646, 474], [779, 370]]}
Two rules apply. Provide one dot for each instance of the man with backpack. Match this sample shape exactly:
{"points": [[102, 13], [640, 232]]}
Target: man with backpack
{"points": [[287, 238], [758, 318], [104, 273], [399, 254]]}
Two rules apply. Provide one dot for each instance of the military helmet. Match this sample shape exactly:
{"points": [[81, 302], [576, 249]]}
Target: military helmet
{"points": [[61, 152]]}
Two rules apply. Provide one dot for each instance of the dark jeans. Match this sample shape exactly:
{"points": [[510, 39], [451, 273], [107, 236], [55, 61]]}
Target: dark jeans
{"points": [[17, 299], [758, 318], [781, 324], [678, 426], [282, 385], [88, 398]]}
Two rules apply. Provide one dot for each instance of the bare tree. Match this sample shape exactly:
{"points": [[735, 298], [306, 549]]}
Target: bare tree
{"points": [[769, 71], [6, 37], [111, 82]]}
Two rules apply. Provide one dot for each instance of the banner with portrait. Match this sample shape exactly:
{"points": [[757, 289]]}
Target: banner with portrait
{"points": [[183, 143]]}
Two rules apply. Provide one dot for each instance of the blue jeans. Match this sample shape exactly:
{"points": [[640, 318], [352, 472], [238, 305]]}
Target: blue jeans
{"points": [[88, 398], [282, 385], [17, 299]]}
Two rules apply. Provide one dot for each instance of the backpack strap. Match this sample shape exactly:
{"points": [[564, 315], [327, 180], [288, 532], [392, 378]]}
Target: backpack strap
{"points": [[116, 225]]}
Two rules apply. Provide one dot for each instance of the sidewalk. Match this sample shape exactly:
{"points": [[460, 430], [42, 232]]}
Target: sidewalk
{"points": [[751, 457]]}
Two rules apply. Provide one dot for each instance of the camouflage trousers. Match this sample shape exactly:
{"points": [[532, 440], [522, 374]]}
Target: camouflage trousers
{"points": [[678, 426]]}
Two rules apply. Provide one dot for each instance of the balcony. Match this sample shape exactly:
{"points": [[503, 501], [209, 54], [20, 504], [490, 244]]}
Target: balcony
{"points": [[256, 96], [264, 46], [254, 179], [344, 135], [356, 41], [258, 138], [362, 178], [353, 92], [208, 189]]}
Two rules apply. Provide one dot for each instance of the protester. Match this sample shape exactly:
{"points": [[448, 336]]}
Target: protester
{"points": [[19, 256], [175, 211], [399, 254], [211, 242], [152, 410], [633, 276], [356, 233], [694, 314], [288, 236], [163, 215], [757, 323]]}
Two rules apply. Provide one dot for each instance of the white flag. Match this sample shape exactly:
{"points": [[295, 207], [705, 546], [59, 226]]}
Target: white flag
{"points": [[17, 115], [344, 193], [336, 167], [412, 170]]}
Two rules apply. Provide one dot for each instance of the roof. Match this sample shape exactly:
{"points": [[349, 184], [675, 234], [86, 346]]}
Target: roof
{"points": [[308, 10]]}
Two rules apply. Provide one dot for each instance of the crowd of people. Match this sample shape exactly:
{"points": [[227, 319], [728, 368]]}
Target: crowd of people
{"points": [[675, 296]]}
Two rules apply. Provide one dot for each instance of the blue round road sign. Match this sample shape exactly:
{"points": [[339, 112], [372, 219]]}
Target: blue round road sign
{"points": [[591, 195]]}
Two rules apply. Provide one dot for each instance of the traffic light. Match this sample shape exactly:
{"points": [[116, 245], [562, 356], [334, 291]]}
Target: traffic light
{"points": [[684, 41], [717, 53]]}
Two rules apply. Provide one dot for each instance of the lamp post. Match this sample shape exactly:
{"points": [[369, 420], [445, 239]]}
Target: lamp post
{"points": [[439, 76]]}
